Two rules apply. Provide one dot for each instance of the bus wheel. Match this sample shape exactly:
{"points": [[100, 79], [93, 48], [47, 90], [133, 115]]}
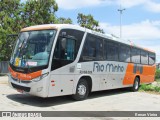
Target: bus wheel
{"points": [[136, 84], [82, 90]]}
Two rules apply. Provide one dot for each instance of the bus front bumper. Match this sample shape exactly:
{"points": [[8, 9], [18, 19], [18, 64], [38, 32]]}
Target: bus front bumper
{"points": [[29, 87]]}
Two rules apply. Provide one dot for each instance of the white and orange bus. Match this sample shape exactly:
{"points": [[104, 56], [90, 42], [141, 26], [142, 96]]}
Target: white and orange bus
{"points": [[55, 60]]}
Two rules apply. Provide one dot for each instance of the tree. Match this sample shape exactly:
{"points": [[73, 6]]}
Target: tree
{"points": [[39, 12], [157, 76], [89, 22], [9, 12], [63, 20], [15, 15]]}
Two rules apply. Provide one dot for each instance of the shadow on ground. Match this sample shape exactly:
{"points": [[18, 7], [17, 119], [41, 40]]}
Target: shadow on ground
{"points": [[53, 101]]}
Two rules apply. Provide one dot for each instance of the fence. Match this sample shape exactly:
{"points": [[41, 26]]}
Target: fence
{"points": [[4, 67]]}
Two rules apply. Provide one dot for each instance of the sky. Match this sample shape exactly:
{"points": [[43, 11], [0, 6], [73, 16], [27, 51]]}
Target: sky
{"points": [[140, 19]]}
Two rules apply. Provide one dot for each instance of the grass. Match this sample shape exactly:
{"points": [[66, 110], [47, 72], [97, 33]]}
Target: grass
{"points": [[158, 80], [149, 88]]}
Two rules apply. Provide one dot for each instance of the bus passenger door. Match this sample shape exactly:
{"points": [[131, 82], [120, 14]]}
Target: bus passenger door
{"points": [[62, 75]]}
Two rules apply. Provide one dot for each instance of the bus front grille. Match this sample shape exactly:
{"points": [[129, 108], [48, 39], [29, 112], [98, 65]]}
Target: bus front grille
{"points": [[26, 89]]}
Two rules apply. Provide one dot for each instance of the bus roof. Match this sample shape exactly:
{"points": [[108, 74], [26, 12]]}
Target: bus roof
{"points": [[70, 26]]}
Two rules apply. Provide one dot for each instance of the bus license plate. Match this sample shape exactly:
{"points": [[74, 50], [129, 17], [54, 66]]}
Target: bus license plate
{"points": [[21, 91]]}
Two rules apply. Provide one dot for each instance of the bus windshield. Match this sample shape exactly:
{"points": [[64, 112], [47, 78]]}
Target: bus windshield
{"points": [[33, 49]]}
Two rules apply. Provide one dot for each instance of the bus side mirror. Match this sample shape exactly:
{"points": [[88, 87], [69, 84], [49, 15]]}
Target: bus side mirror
{"points": [[64, 43]]}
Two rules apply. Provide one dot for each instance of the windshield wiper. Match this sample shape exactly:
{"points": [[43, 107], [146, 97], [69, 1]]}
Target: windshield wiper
{"points": [[25, 57], [26, 60]]}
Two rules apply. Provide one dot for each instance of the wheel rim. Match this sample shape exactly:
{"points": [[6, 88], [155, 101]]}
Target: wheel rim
{"points": [[81, 89], [136, 85]]}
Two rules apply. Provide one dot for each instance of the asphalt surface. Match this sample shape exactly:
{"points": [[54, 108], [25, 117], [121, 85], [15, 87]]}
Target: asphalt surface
{"points": [[110, 100]]}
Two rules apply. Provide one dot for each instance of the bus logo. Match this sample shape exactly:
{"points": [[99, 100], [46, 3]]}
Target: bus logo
{"points": [[109, 67]]}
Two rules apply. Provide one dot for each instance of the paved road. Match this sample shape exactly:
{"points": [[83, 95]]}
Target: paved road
{"points": [[113, 100]]}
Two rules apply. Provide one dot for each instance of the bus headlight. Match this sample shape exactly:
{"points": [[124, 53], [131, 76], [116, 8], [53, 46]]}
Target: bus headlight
{"points": [[40, 77]]}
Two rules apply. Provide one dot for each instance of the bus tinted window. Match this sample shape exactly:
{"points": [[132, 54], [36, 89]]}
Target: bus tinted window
{"points": [[135, 53], [144, 57], [111, 50], [124, 53], [89, 50], [93, 48], [99, 49], [66, 48], [152, 58], [76, 34]]}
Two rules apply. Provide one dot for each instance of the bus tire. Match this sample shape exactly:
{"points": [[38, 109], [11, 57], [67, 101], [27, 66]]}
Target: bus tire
{"points": [[82, 90], [136, 84]]}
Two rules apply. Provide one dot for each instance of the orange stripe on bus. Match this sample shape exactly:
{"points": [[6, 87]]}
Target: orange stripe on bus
{"points": [[128, 78], [23, 76], [146, 76]]}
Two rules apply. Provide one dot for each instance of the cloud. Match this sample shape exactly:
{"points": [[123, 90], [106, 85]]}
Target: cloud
{"points": [[145, 30], [131, 3], [145, 34], [153, 6], [149, 5], [75, 4]]}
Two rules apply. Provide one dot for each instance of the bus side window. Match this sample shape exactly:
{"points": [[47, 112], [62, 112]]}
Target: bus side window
{"points": [[152, 58], [99, 49], [66, 48], [112, 51], [89, 49], [70, 49], [135, 55], [144, 57], [124, 53], [93, 48], [63, 44], [105, 49]]}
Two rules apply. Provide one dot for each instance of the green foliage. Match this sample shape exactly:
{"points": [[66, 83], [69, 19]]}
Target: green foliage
{"points": [[157, 74], [63, 20], [158, 80], [146, 87], [15, 15], [39, 12], [9, 12], [89, 22], [149, 87]]}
